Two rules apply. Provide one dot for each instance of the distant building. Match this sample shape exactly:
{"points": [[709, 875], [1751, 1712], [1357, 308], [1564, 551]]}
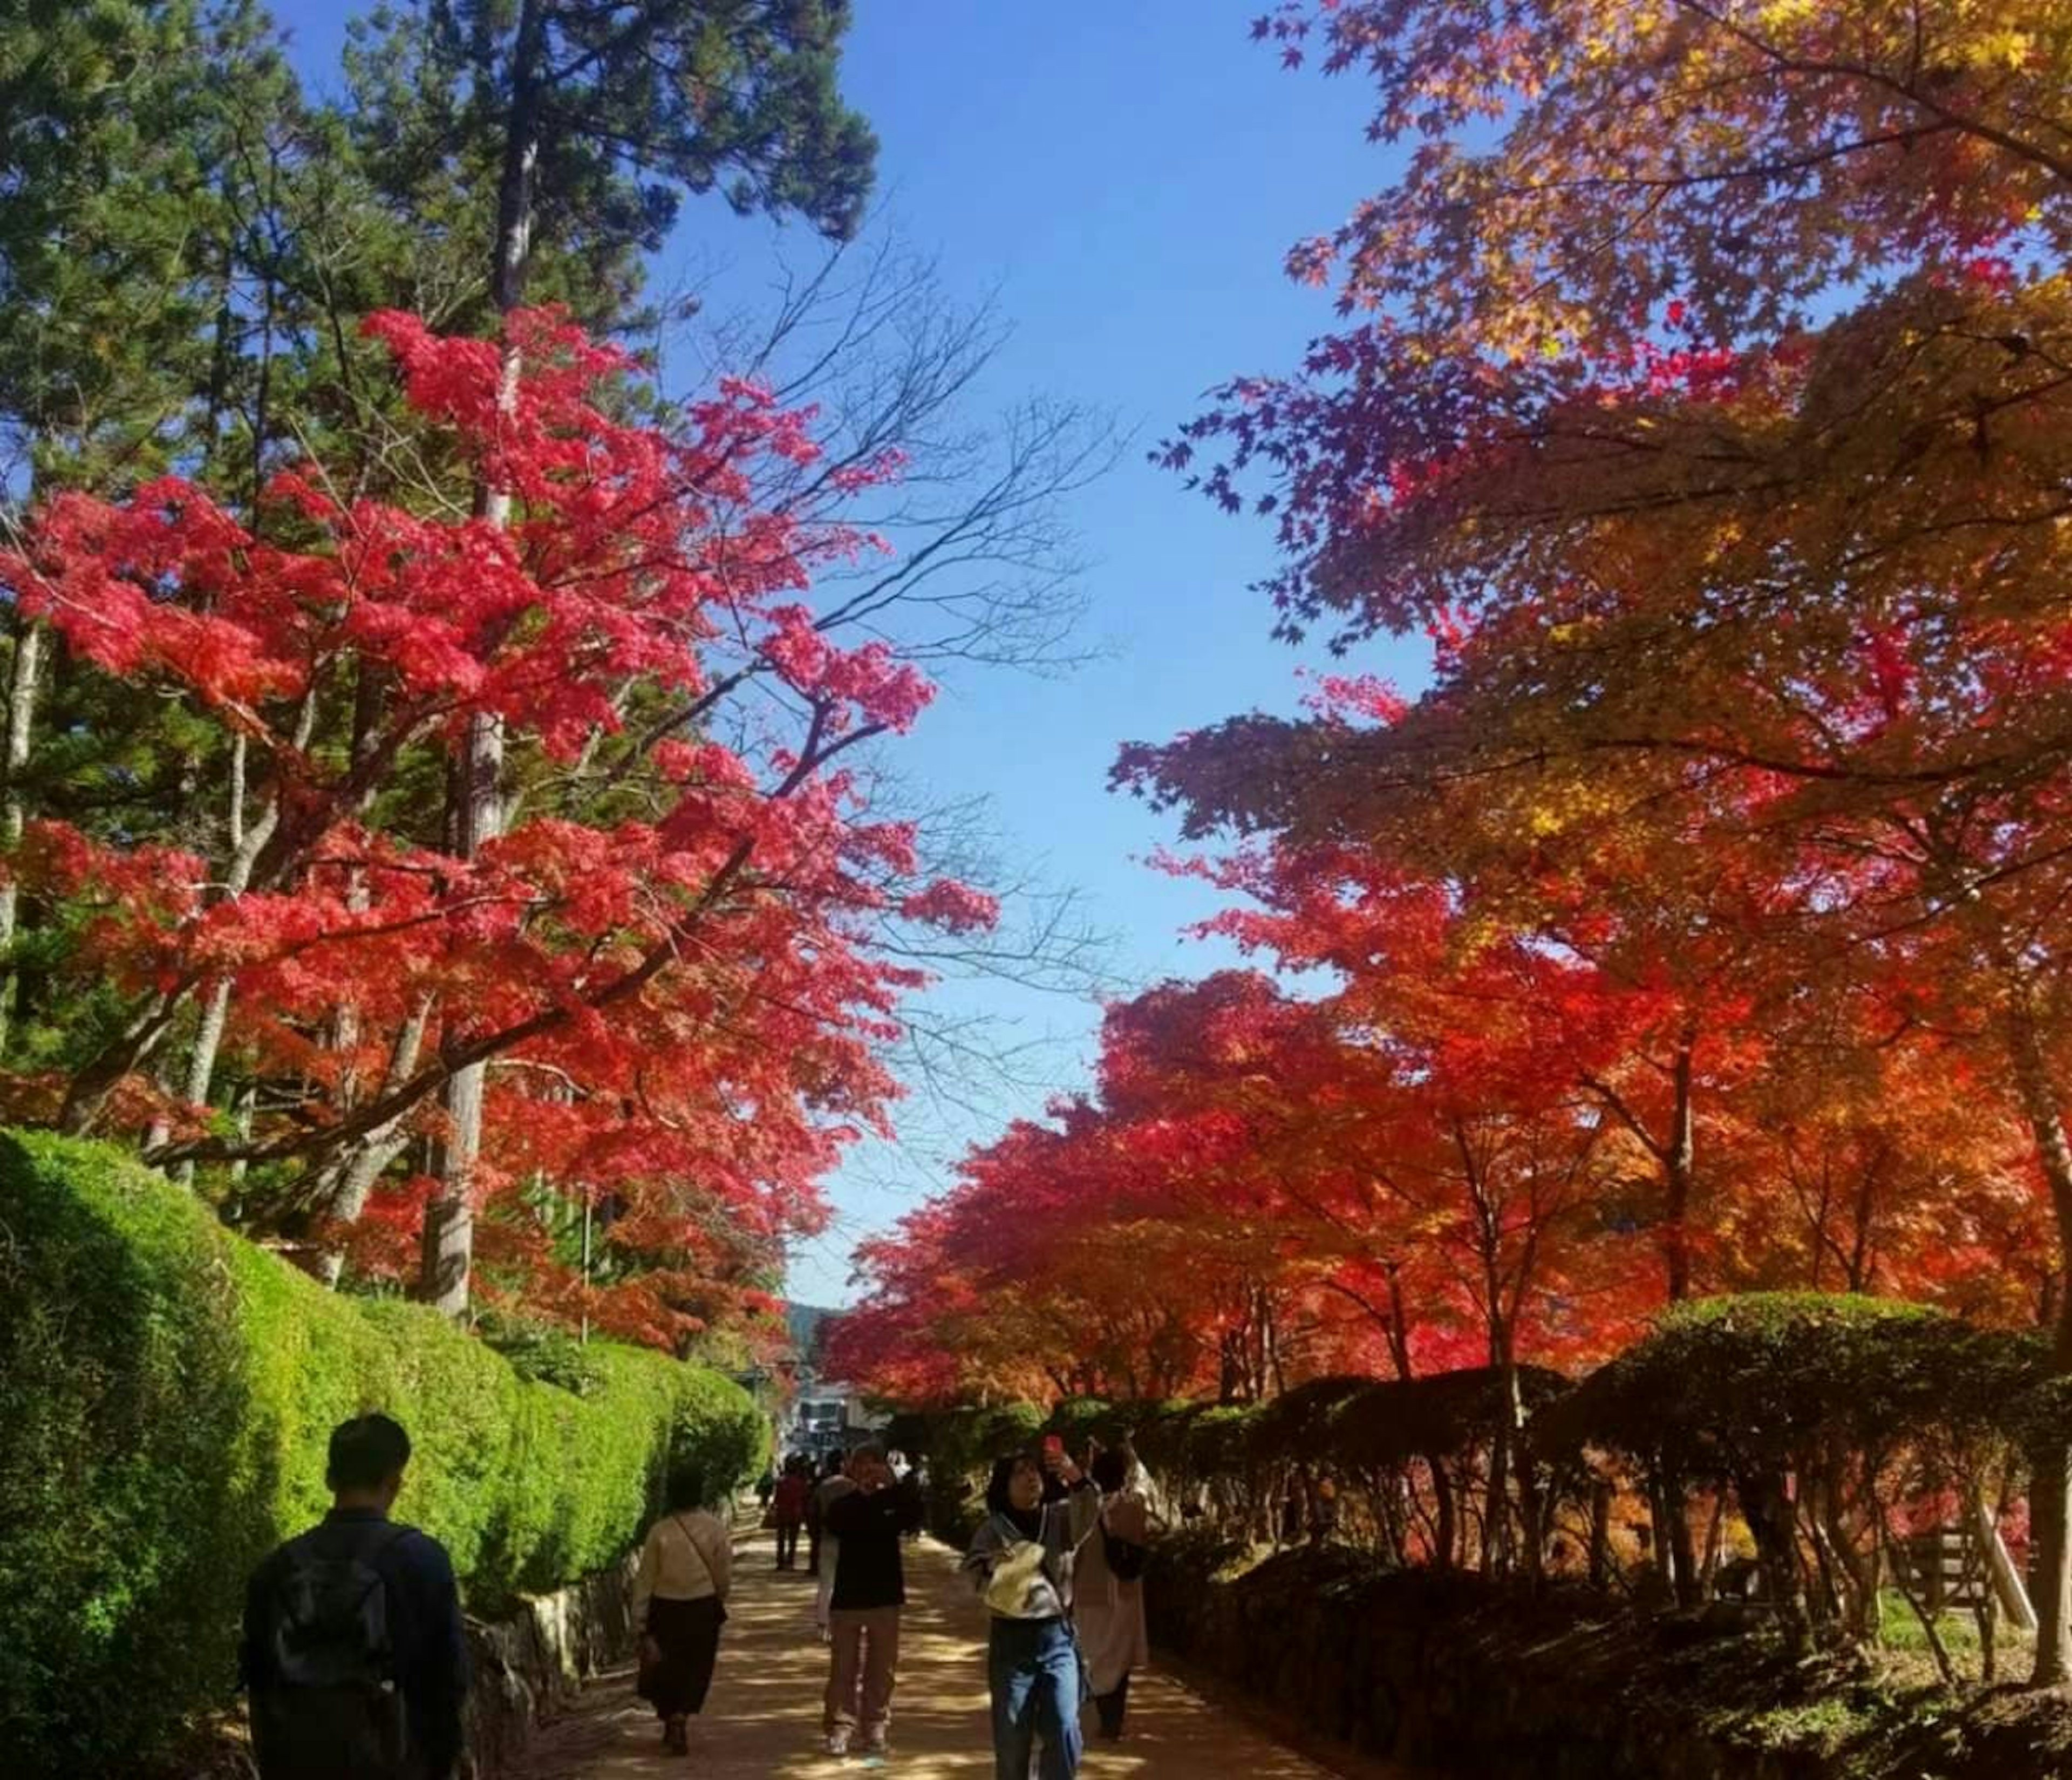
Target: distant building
{"points": [[827, 1416]]}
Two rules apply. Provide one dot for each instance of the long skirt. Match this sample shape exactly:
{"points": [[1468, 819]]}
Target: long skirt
{"points": [[689, 1633]]}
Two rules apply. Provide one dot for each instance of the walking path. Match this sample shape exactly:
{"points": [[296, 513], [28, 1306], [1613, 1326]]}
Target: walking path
{"points": [[763, 1720]]}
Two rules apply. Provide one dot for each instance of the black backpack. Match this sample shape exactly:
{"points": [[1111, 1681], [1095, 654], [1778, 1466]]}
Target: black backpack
{"points": [[1125, 1557], [331, 1709]]}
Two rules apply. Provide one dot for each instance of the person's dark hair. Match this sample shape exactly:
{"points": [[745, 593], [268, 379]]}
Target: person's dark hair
{"points": [[686, 1489], [835, 1461], [997, 1500], [366, 1452], [1111, 1470]]}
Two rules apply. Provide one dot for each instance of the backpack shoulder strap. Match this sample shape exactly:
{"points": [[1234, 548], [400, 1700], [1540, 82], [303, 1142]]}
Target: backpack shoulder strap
{"points": [[371, 1540]]}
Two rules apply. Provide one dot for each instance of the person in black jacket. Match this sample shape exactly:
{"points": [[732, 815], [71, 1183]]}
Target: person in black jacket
{"points": [[353, 1650], [870, 1589]]}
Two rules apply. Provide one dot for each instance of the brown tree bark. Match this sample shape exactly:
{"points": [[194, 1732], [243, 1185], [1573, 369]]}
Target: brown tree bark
{"points": [[2051, 1489], [447, 1253], [24, 685]]}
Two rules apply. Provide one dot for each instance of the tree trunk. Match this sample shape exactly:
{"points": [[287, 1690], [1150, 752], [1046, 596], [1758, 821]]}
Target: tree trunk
{"points": [[2050, 1491], [1857, 1572], [1399, 1321], [1676, 1540], [246, 845], [1229, 1369], [1496, 1512], [1660, 1493], [448, 1247], [1511, 1423], [448, 1250], [2007, 1583], [1716, 1525], [23, 684], [2049, 1518], [1442, 1499], [1767, 1508], [351, 1178], [1601, 1532], [1678, 1159], [1925, 1615], [1276, 1378]]}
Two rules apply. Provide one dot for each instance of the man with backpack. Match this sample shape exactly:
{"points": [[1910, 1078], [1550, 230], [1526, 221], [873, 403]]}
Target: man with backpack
{"points": [[354, 1652]]}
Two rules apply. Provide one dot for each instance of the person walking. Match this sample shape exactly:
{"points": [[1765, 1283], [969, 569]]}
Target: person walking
{"points": [[833, 1472], [1041, 1511], [679, 1603], [353, 1650], [865, 1525], [788, 1506], [831, 1488], [1108, 1591]]}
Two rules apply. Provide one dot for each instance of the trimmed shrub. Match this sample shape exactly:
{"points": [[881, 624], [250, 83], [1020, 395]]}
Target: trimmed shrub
{"points": [[1730, 1387], [1445, 1414], [1163, 1432], [1827, 1418], [166, 1392]]}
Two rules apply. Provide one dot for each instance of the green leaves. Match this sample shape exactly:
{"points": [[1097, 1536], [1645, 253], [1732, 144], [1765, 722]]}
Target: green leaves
{"points": [[169, 1391], [1733, 1387]]}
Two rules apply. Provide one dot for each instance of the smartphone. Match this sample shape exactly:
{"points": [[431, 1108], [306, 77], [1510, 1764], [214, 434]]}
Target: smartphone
{"points": [[1054, 1446]]}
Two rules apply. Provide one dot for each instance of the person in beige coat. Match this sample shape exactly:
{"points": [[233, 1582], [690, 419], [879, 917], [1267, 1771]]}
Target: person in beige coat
{"points": [[1107, 1607], [679, 1604]]}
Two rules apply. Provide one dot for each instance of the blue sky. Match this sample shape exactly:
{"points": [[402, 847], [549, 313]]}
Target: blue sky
{"points": [[1125, 179]]}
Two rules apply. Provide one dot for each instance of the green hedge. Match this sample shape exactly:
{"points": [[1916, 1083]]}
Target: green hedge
{"points": [[1361, 1423], [166, 1390], [1744, 1385]]}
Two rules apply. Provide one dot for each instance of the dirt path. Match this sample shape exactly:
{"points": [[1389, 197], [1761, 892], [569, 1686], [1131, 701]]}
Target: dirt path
{"points": [[762, 1721]]}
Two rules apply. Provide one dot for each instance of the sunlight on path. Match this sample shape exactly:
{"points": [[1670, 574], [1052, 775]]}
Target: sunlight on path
{"points": [[762, 1721]]}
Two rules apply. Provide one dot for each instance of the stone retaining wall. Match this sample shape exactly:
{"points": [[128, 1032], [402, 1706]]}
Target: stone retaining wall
{"points": [[527, 1668]]}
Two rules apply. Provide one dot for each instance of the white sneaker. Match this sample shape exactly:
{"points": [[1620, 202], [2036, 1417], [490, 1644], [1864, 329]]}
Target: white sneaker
{"points": [[838, 1744]]}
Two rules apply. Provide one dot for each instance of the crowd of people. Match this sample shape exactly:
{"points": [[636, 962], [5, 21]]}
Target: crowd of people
{"points": [[356, 1661]]}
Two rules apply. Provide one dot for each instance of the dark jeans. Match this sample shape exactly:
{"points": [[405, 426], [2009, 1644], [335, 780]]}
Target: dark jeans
{"points": [[1033, 1667], [1112, 1707], [787, 1544]]}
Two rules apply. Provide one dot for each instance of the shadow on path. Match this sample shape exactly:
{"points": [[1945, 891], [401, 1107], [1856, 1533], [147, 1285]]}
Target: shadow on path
{"points": [[763, 1720]]}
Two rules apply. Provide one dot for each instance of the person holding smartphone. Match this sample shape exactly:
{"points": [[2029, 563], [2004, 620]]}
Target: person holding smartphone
{"points": [[864, 1527], [1108, 1586], [1043, 1508]]}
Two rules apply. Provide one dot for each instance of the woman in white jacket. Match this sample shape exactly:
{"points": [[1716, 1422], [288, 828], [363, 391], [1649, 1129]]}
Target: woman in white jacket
{"points": [[679, 1604], [1107, 1591]]}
